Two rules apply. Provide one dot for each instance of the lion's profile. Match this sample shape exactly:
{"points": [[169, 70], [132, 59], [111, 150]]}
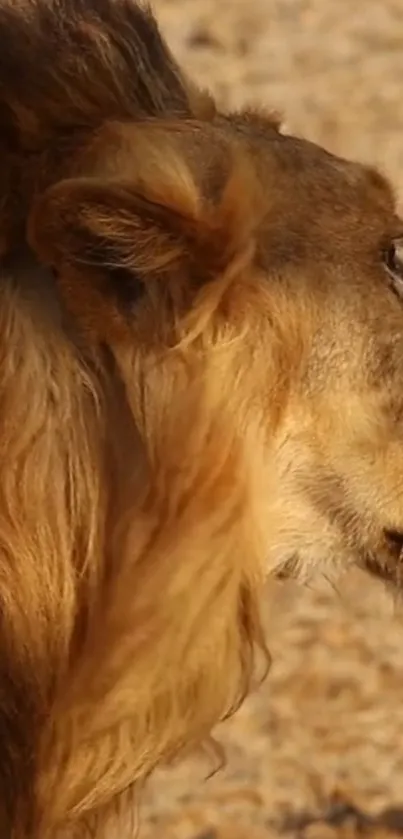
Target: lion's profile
{"points": [[201, 383]]}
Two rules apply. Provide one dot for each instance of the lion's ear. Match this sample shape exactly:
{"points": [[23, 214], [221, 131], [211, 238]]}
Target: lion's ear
{"points": [[108, 239]]}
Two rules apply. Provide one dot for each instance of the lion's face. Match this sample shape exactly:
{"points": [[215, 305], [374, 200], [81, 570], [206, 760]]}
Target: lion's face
{"points": [[330, 251], [254, 276]]}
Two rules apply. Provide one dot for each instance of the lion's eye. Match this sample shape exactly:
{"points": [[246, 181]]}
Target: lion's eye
{"points": [[393, 260]]}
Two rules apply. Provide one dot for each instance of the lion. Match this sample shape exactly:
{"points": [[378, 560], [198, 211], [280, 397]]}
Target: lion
{"points": [[201, 387]]}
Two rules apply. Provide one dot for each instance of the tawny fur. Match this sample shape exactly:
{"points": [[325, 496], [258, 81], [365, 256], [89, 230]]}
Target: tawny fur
{"points": [[119, 565], [173, 367]]}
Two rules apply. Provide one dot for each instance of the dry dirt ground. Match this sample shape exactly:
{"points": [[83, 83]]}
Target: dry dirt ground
{"points": [[317, 753]]}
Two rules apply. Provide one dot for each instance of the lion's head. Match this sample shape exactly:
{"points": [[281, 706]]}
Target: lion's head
{"points": [[201, 384]]}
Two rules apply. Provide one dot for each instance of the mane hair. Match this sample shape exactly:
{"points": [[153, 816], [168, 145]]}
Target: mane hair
{"points": [[130, 499], [70, 64]]}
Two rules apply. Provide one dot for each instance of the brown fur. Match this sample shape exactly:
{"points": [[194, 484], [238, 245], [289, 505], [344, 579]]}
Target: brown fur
{"points": [[201, 384]]}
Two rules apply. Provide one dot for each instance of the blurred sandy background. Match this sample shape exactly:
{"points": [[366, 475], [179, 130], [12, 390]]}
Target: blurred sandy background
{"points": [[317, 753]]}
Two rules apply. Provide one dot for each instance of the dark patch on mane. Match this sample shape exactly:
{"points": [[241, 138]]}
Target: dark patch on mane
{"points": [[66, 64]]}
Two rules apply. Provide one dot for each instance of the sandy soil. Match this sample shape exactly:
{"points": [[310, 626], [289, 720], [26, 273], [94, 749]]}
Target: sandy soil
{"points": [[317, 753]]}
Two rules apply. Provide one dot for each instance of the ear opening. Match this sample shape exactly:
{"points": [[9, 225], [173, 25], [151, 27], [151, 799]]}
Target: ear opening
{"points": [[108, 239]]}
